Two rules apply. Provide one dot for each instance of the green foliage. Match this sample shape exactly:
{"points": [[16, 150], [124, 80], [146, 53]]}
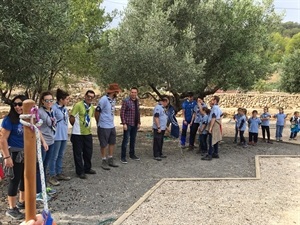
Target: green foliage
{"points": [[290, 79], [293, 44], [289, 29], [278, 45], [198, 46]]}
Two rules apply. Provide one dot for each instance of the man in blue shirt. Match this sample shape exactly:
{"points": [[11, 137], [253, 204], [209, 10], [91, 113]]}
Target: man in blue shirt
{"points": [[160, 120], [106, 130], [187, 112]]}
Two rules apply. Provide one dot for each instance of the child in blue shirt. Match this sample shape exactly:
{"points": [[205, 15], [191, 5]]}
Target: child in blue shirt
{"points": [[295, 123], [265, 124], [280, 123], [203, 132], [236, 118], [254, 122], [242, 127]]}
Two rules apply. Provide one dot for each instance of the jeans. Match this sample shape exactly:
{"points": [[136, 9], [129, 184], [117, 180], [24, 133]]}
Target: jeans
{"points": [[213, 149], [253, 136], [236, 133], [183, 133], [279, 130], [158, 140], [203, 142], [242, 138], [56, 161], [46, 156], [265, 129], [193, 133], [130, 132]]}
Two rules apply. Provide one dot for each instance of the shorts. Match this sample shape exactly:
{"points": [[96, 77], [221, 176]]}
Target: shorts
{"points": [[106, 136]]}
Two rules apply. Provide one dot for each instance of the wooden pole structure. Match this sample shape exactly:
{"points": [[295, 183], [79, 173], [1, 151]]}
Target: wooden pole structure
{"points": [[29, 165]]}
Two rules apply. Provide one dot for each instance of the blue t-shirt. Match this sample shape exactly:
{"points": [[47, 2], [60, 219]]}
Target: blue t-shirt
{"points": [[62, 117], [242, 123], [265, 122], [106, 106], [163, 118], [16, 137], [203, 121], [236, 117], [280, 119], [188, 109], [254, 124], [215, 113]]}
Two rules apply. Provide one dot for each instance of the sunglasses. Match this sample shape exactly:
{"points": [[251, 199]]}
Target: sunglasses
{"points": [[15, 104], [48, 100], [90, 97]]}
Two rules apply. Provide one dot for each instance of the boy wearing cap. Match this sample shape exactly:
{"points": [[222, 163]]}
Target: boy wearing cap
{"points": [[106, 130], [160, 119]]}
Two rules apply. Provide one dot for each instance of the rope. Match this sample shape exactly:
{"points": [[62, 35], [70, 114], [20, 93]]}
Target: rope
{"points": [[34, 114]]}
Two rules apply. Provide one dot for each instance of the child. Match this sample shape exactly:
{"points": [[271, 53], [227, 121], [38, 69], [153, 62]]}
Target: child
{"points": [[203, 132], [265, 124], [254, 123], [295, 121], [280, 123], [236, 118], [242, 127]]}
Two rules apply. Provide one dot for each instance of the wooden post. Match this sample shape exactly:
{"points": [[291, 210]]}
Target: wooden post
{"points": [[29, 165]]}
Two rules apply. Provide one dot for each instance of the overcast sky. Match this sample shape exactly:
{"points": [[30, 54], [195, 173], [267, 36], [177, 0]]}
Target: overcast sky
{"points": [[290, 7]]}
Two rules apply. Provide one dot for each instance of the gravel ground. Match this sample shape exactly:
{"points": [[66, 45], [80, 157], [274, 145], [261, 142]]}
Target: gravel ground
{"points": [[265, 202], [108, 194]]}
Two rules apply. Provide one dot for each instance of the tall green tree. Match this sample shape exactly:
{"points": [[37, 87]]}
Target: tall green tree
{"points": [[41, 41], [290, 78], [193, 45]]}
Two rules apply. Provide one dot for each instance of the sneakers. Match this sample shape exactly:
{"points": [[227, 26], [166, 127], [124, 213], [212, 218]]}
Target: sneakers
{"points": [[104, 165], [21, 205], [134, 157], [62, 177], [50, 191], [124, 161], [207, 157], [215, 156], [90, 172], [82, 176], [157, 158], [111, 162], [15, 214], [270, 142], [52, 180], [163, 156], [39, 197]]}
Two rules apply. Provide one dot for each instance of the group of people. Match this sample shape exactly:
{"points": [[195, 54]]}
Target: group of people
{"points": [[254, 123]]}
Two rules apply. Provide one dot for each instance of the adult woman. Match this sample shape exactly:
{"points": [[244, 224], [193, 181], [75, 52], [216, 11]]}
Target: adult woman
{"points": [[48, 129], [12, 142], [61, 135]]}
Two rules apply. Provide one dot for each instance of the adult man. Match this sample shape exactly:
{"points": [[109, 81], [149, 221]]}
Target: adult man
{"points": [[131, 120], [106, 130], [81, 137], [160, 119], [187, 112], [214, 129]]}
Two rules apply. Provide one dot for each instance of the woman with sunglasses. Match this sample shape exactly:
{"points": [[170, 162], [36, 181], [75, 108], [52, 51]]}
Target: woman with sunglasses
{"points": [[48, 129], [12, 142]]}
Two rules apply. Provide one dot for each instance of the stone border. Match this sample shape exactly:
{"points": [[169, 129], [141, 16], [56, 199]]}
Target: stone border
{"points": [[125, 215]]}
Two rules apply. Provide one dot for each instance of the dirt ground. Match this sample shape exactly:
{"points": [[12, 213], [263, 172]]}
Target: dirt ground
{"points": [[105, 196]]}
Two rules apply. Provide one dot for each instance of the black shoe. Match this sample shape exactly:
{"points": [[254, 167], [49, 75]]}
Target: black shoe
{"points": [[21, 205], [215, 156], [207, 157], [163, 156], [82, 176], [134, 157], [91, 172], [124, 161], [157, 158], [15, 214], [270, 142]]}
